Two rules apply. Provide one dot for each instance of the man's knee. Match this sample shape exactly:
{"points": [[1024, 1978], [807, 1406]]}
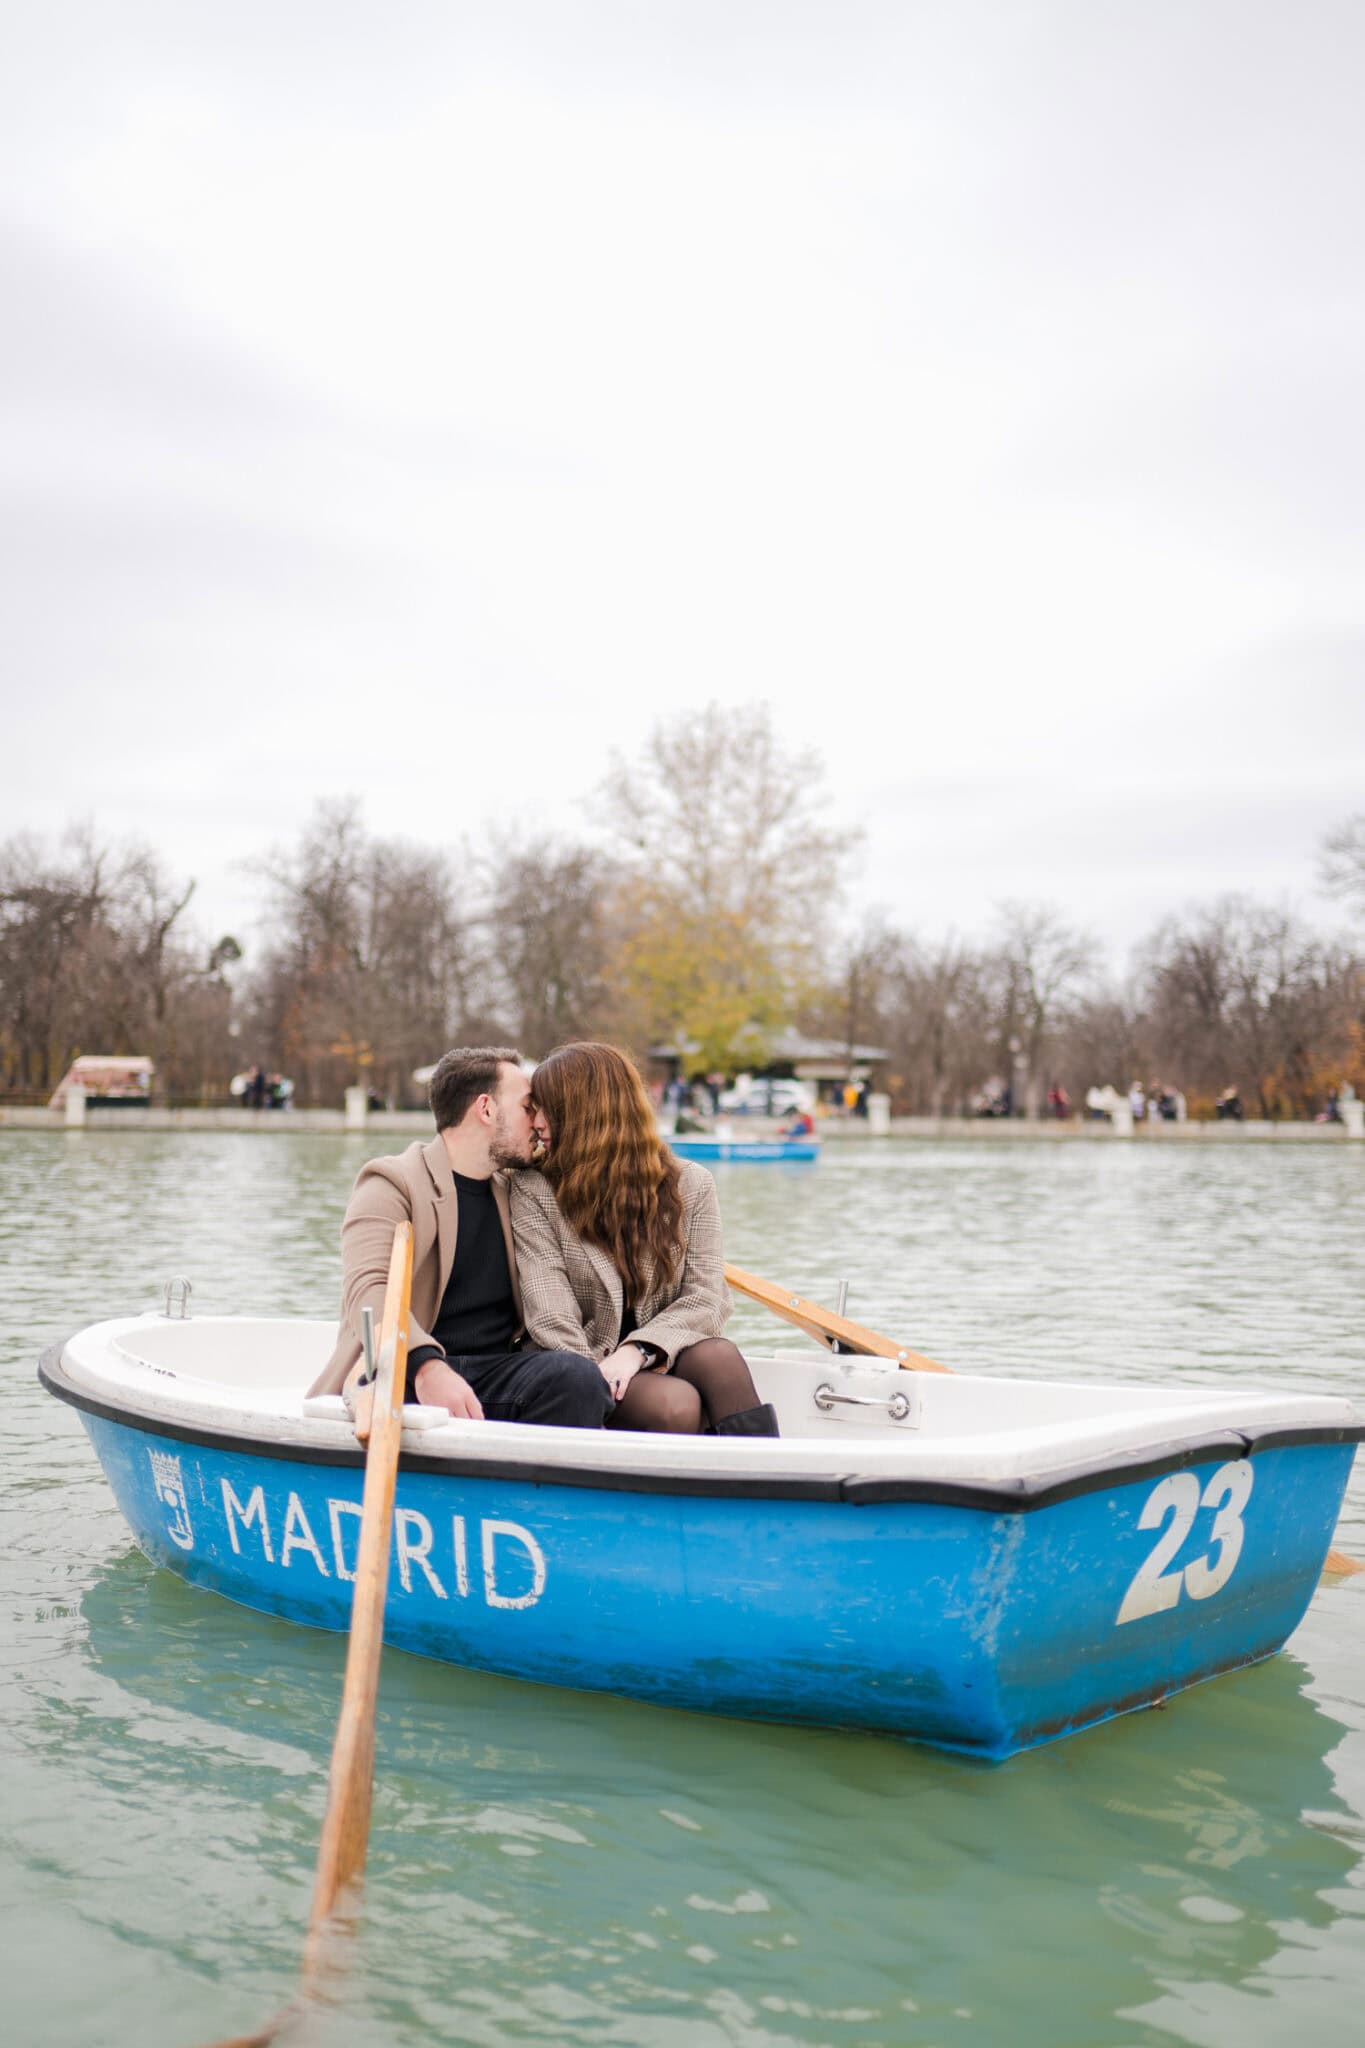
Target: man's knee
{"points": [[569, 1391]]}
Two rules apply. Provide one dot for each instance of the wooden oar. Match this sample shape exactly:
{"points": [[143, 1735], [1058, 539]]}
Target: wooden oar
{"points": [[836, 1331], [346, 1822], [841, 1334]]}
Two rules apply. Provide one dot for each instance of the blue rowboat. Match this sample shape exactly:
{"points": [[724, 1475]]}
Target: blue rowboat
{"points": [[983, 1564], [746, 1148]]}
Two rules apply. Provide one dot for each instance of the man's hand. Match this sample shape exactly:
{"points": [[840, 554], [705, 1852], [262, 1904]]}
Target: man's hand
{"points": [[438, 1385], [360, 1401], [620, 1369]]}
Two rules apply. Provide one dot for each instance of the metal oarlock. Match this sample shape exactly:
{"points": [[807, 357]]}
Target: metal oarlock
{"points": [[367, 1345], [178, 1291]]}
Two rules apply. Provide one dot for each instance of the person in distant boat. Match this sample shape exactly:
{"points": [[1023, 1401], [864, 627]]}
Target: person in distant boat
{"points": [[468, 1351], [800, 1124], [619, 1252]]}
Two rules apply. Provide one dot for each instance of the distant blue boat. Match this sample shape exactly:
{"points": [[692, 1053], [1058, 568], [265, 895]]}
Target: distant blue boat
{"points": [[746, 1148], [982, 1564]]}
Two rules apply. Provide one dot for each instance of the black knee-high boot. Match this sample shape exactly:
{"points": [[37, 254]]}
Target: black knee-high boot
{"points": [[760, 1421]]}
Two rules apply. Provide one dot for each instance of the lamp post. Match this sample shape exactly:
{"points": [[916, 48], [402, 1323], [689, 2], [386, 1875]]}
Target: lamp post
{"points": [[1019, 1077]]}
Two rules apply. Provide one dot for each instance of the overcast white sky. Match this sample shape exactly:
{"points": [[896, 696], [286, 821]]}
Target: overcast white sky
{"points": [[421, 399]]}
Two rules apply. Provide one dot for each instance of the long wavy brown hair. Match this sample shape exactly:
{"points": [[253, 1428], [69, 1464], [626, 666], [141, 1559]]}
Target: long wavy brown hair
{"points": [[616, 1182]]}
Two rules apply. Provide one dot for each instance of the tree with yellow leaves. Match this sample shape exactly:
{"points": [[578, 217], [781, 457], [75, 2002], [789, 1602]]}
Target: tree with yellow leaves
{"points": [[731, 876]]}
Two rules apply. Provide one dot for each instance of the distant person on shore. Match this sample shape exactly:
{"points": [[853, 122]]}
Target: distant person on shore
{"points": [[1137, 1102], [468, 1347], [620, 1254], [1229, 1106], [992, 1098]]}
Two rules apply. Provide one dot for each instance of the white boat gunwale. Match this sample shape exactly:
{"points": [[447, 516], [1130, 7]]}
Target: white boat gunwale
{"points": [[1090, 1471]]}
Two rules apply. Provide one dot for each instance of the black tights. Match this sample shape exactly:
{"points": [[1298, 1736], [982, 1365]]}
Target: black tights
{"points": [[709, 1382]]}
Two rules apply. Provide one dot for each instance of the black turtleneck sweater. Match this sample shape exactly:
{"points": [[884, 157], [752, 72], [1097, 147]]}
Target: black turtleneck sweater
{"points": [[478, 1313]]}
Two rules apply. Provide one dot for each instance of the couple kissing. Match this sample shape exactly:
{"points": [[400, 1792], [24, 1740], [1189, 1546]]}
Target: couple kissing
{"points": [[567, 1268]]}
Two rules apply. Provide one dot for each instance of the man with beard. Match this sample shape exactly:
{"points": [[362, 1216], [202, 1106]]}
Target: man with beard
{"points": [[467, 1350]]}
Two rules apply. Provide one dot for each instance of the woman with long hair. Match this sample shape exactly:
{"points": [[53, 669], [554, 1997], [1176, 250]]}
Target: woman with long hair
{"points": [[619, 1253]]}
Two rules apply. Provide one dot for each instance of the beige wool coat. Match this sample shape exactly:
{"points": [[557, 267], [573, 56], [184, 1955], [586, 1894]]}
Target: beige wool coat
{"points": [[414, 1187], [572, 1294]]}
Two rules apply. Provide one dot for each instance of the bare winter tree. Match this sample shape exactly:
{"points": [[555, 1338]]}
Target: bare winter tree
{"points": [[1244, 994], [1106, 1040], [872, 964], [945, 1043], [374, 966], [1342, 865], [51, 906], [552, 943], [94, 958], [929, 1005], [1041, 967]]}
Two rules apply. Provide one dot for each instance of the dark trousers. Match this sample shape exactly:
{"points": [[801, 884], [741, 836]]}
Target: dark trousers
{"points": [[560, 1387]]}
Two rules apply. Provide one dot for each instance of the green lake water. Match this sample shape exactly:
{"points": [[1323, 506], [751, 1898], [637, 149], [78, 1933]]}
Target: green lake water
{"points": [[569, 1868]]}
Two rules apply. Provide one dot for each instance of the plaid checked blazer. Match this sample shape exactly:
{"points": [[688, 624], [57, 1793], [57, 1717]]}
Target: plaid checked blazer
{"points": [[572, 1294]]}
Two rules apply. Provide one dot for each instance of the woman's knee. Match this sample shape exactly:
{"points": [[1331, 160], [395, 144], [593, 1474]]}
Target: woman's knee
{"points": [[720, 1373], [659, 1402], [712, 1354]]}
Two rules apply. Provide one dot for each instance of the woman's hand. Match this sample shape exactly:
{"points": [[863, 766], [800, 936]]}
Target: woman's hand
{"points": [[620, 1369]]}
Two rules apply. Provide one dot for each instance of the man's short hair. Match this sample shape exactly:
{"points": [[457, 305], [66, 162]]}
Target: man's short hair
{"points": [[465, 1073]]}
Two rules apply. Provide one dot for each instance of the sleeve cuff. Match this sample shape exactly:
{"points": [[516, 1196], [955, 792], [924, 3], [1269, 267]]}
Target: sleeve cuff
{"points": [[416, 1360]]}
